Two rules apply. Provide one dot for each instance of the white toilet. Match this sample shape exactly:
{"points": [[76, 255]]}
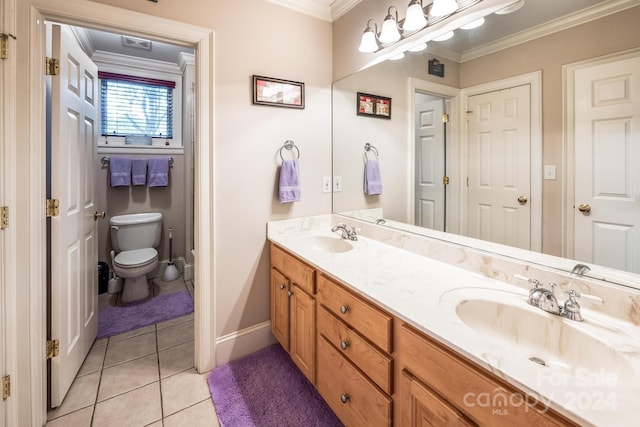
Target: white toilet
{"points": [[134, 238]]}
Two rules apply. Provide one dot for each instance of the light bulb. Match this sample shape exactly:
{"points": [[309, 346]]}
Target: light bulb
{"points": [[443, 7], [389, 32], [368, 44], [415, 19]]}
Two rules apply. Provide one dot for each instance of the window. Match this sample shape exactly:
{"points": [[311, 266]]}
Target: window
{"points": [[136, 106]]}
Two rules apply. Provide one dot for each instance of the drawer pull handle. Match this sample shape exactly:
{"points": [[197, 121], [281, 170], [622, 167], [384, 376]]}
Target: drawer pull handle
{"points": [[344, 397], [344, 345], [282, 286], [289, 293], [344, 309]]}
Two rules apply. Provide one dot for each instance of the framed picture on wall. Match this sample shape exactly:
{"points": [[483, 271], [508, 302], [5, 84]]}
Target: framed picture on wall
{"points": [[277, 92], [373, 105]]}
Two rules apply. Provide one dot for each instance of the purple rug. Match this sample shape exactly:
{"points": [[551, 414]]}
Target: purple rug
{"points": [[116, 320], [267, 389]]}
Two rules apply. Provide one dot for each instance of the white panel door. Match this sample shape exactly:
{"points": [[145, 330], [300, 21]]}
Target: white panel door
{"points": [[499, 166], [74, 232], [430, 162], [607, 164]]}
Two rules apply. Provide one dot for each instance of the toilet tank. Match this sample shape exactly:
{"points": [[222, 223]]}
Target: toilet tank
{"points": [[135, 231]]}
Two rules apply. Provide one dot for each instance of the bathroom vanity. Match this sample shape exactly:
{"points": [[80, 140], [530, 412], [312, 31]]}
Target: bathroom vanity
{"points": [[392, 337]]}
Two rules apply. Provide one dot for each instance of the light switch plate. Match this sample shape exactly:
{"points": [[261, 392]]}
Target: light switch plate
{"points": [[326, 184], [550, 172], [337, 184]]}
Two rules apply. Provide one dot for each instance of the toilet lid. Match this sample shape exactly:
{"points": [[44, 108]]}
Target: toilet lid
{"points": [[136, 257]]}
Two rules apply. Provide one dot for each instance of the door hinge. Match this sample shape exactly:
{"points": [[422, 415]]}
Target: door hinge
{"points": [[52, 207], [4, 217], [52, 67], [445, 118], [469, 112], [445, 180], [53, 349], [4, 45], [6, 387]]}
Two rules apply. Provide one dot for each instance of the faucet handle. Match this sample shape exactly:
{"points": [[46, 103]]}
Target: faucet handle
{"points": [[586, 297]]}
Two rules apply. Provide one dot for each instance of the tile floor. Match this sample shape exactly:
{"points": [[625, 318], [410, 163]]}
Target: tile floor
{"points": [[140, 378]]}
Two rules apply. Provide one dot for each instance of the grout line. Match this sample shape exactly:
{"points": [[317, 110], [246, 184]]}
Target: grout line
{"points": [[104, 358], [159, 376]]}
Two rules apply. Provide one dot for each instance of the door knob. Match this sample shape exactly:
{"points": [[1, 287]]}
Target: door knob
{"points": [[584, 208], [522, 200], [97, 215]]}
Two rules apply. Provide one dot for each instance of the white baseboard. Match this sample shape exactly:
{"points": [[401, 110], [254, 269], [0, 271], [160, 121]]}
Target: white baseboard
{"points": [[241, 343], [187, 272]]}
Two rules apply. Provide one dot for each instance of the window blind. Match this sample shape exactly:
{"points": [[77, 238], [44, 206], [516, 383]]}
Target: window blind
{"points": [[136, 106]]}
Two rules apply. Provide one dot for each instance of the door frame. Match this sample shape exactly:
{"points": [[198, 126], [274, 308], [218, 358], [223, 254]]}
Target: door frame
{"points": [[451, 97], [96, 15], [533, 79], [568, 141]]}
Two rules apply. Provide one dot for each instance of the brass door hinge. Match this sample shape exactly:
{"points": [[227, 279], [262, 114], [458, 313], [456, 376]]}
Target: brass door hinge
{"points": [[52, 207], [445, 118], [4, 45], [445, 180], [53, 349], [4, 217], [6, 387], [52, 67]]}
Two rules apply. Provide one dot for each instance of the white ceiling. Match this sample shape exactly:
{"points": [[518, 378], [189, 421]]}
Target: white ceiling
{"points": [[535, 14]]}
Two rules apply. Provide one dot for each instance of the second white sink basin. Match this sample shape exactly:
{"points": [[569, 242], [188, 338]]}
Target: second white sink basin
{"points": [[540, 337], [329, 244]]}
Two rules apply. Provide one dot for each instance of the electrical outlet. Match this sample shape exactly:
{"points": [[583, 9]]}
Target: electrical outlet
{"points": [[337, 184], [326, 184]]}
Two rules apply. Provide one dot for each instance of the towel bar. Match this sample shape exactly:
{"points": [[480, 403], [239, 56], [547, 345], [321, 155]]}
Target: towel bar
{"points": [[105, 160], [289, 145]]}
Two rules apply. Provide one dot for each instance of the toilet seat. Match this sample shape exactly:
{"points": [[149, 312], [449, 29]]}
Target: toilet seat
{"points": [[136, 258]]}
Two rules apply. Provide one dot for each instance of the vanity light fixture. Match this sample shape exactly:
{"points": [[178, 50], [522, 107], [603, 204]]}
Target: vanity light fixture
{"points": [[369, 42], [415, 19], [443, 7], [390, 33]]}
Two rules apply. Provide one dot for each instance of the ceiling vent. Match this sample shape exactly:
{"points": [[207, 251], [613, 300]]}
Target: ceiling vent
{"points": [[136, 43]]}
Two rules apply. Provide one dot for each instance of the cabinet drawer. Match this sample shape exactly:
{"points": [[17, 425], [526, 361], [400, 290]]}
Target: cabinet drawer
{"points": [[465, 385], [374, 363], [298, 272], [369, 321], [354, 399]]}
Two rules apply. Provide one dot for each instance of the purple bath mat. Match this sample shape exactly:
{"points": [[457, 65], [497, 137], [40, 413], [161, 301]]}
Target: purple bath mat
{"points": [[116, 320], [267, 389]]}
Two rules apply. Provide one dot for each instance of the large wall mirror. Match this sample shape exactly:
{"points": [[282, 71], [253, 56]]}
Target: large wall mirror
{"points": [[557, 175]]}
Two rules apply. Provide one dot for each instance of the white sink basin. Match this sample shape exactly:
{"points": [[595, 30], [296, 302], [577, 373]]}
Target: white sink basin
{"points": [[540, 337], [329, 244]]}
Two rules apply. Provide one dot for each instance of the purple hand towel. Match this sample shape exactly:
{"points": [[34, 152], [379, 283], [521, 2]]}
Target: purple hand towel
{"points": [[289, 181], [158, 172], [120, 171], [372, 181], [139, 171]]}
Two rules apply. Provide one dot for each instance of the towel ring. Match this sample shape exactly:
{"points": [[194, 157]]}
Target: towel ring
{"points": [[368, 147], [289, 145]]}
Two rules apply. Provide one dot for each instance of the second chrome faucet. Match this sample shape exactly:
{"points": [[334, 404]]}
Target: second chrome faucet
{"points": [[346, 233]]}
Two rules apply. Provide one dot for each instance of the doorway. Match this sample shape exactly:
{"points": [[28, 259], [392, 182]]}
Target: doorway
{"points": [[113, 19]]}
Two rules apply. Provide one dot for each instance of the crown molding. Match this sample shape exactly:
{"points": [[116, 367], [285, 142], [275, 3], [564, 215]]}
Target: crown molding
{"points": [[83, 39], [114, 59], [327, 10], [560, 24]]}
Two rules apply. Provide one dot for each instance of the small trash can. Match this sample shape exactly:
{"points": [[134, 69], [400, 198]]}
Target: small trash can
{"points": [[103, 277]]}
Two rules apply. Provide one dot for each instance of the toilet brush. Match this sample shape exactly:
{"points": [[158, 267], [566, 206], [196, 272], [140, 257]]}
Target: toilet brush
{"points": [[171, 272]]}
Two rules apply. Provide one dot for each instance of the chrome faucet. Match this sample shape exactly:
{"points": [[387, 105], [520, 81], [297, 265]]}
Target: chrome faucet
{"points": [[546, 300], [350, 234], [579, 270]]}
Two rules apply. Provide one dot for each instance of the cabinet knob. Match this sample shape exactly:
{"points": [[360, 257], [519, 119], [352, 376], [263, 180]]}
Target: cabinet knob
{"points": [[344, 309], [289, 293], [282, 286], [344, 397], [344, 344]]}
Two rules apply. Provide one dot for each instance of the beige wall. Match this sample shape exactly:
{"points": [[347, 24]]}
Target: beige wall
{"points": [[257, 37], [134, 199], [611, 34]]}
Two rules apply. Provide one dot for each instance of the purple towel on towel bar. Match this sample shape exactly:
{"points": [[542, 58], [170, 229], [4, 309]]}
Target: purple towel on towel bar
{"points": [[120, 171], [158, 172], [289, 181], [372, 181], [138, 171]]}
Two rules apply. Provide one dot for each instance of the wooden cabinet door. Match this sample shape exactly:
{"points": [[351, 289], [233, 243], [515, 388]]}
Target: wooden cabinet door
{"points": [[303, 331], [280, 308], [421, 407]]}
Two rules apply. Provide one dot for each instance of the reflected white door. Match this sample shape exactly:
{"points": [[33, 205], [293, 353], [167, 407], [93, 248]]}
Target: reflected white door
{"points": [[430, 161], [607, 159], [499, 166], [74, 232]]}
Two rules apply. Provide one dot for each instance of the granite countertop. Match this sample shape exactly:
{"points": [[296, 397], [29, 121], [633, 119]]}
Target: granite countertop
{"points": [[429, 295]]}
